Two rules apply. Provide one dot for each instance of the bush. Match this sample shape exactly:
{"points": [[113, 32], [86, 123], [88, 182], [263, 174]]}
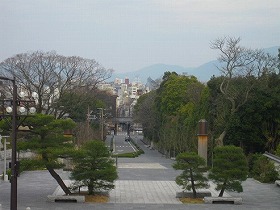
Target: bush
{"points": [[126, 155], [264, 170], [251, 159]]}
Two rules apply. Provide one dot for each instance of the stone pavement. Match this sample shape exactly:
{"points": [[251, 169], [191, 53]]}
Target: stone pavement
{"points": [[146, 182], [145, 192]]}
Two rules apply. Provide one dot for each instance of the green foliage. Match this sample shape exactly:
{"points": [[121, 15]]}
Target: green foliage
{"points": [[9, 173], [31, 165], [146, 114], [264, 170], [229, 168], [255, 124], [251, 159], [127, 155], [277, 152], [76, 104], [178, 110], [192, 175], [46, 139], [94, 167], [173, 93], [170, 114]]}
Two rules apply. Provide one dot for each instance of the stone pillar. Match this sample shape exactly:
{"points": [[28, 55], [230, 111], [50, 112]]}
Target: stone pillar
{"points": [[203, 139]]}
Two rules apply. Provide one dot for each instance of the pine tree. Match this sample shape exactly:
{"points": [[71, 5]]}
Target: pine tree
{"points": [[46, 139], [192, 176], [93, 167], [230, 168]]}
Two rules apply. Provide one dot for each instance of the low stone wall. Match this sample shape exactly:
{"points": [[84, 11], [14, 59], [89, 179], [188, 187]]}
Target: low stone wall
{"points": [[8, 154], [26, 154], [223, 200], [66, 198]]}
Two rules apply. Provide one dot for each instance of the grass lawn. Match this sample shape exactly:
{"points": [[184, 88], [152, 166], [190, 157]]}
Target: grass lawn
{"points": [[96, 198], [192, 200]]}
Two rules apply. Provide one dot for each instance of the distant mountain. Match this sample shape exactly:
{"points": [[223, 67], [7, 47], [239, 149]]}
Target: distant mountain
{"points": [[272, 50], [156, 71]]}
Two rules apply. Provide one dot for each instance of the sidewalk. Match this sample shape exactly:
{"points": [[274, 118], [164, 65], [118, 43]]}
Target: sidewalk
{"points": [[145, 183]]}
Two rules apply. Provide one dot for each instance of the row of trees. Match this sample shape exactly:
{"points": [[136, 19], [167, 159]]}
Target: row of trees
{"points": [[241, 106], [230, 169]]}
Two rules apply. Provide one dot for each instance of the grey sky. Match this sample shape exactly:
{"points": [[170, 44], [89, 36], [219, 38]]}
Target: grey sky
{"points": [[127, 35]]}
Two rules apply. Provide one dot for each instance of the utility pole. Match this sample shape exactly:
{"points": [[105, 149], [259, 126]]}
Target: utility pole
{"points": [[101, 122], [88, 122]]}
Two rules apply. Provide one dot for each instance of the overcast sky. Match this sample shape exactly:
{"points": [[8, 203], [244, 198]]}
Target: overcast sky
{"points": [[127, 35]]}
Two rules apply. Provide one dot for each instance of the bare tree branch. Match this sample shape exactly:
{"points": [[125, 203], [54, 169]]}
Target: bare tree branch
{"points": [[51, 75]]}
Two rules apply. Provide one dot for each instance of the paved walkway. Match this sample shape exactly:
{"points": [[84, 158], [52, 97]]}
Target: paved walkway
{"points": [[145, 183], [145, 192]]}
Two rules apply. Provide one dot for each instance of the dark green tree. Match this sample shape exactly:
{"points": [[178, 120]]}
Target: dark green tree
{"points": [[93, 167], [192, 176], [46, 139], [145, 113], [240, 68], [176, 104], [230, 168]]}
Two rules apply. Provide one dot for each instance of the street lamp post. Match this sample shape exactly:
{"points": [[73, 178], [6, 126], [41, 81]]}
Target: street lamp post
{"points": [[13, 179], [101, 121], [14, 165], [14, 162]]}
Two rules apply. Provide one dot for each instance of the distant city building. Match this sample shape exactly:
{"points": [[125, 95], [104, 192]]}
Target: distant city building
{"points": [[118, 81], [126, 81], [127, 93]]}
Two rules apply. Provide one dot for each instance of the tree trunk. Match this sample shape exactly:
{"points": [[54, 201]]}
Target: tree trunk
{"points": [[220, 140], [221, 192], [90, 188], [59, 181], [223, 189], [192, 182]]}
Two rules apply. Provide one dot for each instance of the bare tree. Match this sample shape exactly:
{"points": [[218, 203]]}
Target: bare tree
{"points": [[239, 62], [51, 75]]}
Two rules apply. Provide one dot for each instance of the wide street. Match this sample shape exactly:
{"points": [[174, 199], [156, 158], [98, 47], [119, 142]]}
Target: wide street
{"points": [[119, 144], [145, 182]]}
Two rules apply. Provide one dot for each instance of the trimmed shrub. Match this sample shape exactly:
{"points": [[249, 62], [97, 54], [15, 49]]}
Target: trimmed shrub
{"points": [[264, 170]]}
